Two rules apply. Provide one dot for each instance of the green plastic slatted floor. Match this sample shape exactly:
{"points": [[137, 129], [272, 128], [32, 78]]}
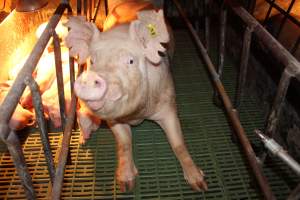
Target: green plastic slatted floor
{"points": [[90, 174]]}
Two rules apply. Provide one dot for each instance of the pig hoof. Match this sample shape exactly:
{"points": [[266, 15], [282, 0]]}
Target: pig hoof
{"points": [[195, 178], [126, 177]]}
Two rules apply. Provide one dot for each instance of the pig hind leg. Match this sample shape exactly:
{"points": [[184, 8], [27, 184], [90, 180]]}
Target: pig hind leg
{"points": [[169, 122], [126, 170]]}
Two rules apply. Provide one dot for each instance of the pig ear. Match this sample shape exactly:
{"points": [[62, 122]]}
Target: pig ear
{"points": [[150, 30], [80, 35]]}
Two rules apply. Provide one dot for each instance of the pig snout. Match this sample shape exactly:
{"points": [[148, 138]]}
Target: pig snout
{"points": [[91, 88]]}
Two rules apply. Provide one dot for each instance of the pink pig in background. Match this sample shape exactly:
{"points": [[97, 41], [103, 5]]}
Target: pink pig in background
{"points": [[129, 81]]}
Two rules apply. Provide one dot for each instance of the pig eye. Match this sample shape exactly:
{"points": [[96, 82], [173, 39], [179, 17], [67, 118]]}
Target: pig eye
{"points": [[92, 62], [129, 61]]}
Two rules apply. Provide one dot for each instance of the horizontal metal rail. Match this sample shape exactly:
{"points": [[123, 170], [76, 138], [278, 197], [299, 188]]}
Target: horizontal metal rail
{"points": [[232, 114]]}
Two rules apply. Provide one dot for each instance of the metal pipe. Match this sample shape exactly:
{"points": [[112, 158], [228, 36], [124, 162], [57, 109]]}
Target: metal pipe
{"points": [[295, 46], [269, 11], [223, 21], [207, 22], [39, 112], [277, 50], [59, 78], [15, 150], [222, 39], [244, 65], [278, 151], [63, 153], [12, 98], [250, 155], [278, 103], [95, 14]]}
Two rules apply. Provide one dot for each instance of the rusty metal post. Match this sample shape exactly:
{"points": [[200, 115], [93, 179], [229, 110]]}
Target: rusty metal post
{"points": [[278, 103], [222, 39], [244, 65], [59, 78], [63, 154], [39, 112], [15, 150], [239, 130]]}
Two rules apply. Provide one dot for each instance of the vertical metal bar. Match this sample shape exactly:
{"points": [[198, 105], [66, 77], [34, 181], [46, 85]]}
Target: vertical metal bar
{"points": [[63, 153], [284, 19], [239, 130], [85, 8], [222, 38], [59, 78], [244, 65], [269, 12], [106, 7], [223, 21], [79, 7], [96, 10], [278, 103], [15, 150], [252, 5], [207, 22], [39, 112]]}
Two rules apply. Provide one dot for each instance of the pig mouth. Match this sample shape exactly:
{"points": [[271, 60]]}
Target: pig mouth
{"points": [[95, 104]]}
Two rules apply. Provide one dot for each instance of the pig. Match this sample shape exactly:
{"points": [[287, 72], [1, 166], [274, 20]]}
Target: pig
{"points": [[129, 81], [21, 117]]}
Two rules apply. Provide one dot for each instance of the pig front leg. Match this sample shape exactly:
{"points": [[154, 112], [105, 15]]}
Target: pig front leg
{"points": [[169, 122], [126, 170]]}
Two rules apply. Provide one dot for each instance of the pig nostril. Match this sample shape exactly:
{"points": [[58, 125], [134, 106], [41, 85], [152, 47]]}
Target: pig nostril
{"points": [[97, 82]]}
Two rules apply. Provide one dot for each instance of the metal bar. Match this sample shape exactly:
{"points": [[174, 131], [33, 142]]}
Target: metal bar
{"points": [[222, 38], [39, 112], [278, 151], [63, 153], [239, 130], [284, 19], [283, 12], [244, 65], [95, 14], [12, 98], [252, 5], [207, 22], [278, 103], [295, 194], [15, 150], [79, 7], [223, 21], [269, 12], [59, 78], [278, 51], [106, 7]]}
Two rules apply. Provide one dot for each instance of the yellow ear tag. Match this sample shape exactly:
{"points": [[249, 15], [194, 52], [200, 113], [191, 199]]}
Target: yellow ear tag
{"points": [[152, 30]]}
